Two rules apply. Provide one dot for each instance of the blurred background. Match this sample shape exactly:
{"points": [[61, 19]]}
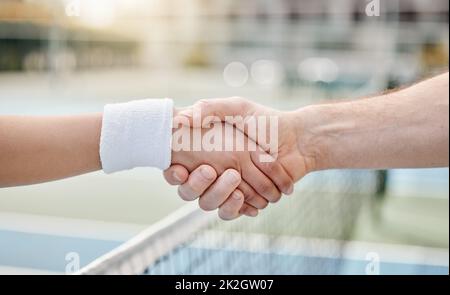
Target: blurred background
{"points": [[68, 57]]}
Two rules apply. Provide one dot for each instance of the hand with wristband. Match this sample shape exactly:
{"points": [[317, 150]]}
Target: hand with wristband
{"points": [[126, 136]]}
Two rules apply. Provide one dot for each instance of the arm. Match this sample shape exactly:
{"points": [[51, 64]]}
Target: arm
{"points": [[404, 129], [135, 134], [39, 149]]}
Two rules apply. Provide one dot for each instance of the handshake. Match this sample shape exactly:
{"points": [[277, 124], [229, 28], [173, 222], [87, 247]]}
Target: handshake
{"points": [[232, 154], [236, 156]]}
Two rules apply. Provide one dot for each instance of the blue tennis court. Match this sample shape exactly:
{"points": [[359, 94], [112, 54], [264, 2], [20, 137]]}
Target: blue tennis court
{"points": [[314, 233], [38, 253]]}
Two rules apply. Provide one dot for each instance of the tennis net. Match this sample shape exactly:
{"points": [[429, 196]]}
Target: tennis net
{"points": [[303, 234]]}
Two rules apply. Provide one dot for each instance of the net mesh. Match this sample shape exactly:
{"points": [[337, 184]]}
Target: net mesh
{"points": [[302, 234]]}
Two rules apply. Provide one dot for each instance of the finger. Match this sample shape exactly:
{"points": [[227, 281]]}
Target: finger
{"points": [[273, 170], [251, 196], [248, 210], [219, 191], [199, 180], [219, 107], [176, 174], [230, 208], [260, 183]]}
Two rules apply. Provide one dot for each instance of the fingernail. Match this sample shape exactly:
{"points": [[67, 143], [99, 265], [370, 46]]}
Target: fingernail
{"points": [[252, 213], [234, 176], [290, 190], [176, 177], [236, 196], [206, 173]]}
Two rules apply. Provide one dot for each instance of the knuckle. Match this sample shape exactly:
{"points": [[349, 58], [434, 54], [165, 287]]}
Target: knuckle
{"points": [[270, 167], [202, 105], [266, 188], [202, 102], [249, 197], [235, 161], [242, 102]]}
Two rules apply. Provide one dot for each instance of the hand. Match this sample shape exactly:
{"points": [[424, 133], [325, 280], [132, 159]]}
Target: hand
{"points": [[192, 185], [295, 156], [295, 151], [255, 185]]}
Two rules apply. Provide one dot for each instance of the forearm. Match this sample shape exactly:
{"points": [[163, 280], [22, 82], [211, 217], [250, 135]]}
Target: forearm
{"points": [[39, 149], [125, 136], [403, 129]]}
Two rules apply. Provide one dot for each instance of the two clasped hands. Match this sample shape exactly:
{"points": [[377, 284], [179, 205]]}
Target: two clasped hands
{"points": [[237, 181], [232, 154], [402, 129]]}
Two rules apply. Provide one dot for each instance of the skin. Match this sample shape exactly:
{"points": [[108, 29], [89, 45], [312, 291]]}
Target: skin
{"points": [[408, 128], [248, 175], [404, 129], [40, 149]]}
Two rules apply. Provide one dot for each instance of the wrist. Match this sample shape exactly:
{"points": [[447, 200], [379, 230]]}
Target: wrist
{"points": [[136, 134], [313, 141], [179, 131]]}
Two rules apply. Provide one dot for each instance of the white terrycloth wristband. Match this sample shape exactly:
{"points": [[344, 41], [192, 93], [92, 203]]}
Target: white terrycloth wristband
{"points": [[136, 134]]}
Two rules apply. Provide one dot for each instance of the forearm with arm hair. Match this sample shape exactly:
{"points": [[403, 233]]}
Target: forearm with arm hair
{"points": [[39, 149], [404, 129]]}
